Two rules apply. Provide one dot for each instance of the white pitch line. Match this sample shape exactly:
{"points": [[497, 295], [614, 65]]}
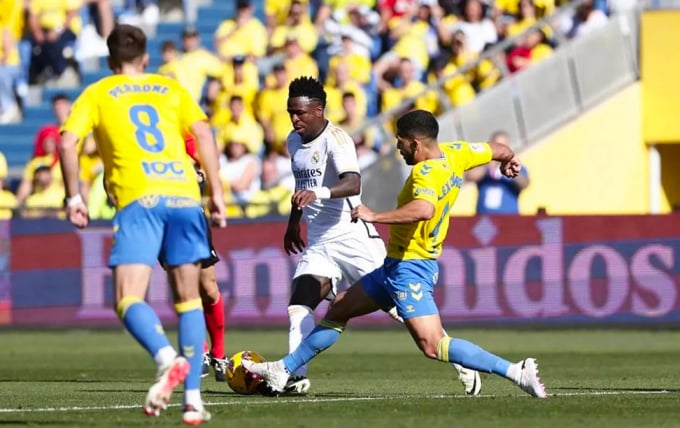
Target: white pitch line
{"points": [[324, 400]]}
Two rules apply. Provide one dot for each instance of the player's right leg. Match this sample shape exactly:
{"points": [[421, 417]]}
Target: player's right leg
{"points": [[314, 280], [138, 234], [412, 283], [349, 304], [213, 310]]}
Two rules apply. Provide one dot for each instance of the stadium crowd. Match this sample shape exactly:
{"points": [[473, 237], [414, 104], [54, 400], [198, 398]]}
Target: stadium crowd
{"points": [[371, 55]]}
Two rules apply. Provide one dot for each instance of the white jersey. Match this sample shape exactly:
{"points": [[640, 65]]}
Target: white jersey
{"points": [[319, 163]]}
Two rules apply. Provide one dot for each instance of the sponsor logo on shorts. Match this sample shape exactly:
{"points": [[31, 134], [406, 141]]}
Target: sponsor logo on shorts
{"points": [[401, 295], [410, 309]]}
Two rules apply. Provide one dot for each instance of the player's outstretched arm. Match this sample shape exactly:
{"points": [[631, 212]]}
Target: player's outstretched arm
{"points": [[348, 185], [510, 163], [76, 210], [412, 212], [208, 153]]}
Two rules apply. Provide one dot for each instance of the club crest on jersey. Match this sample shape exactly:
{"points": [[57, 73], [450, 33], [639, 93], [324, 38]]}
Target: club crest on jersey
{"points": [[316, 157]]}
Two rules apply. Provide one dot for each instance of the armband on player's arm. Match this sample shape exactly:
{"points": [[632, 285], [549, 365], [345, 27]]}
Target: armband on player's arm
{"points": [[322, 192]]}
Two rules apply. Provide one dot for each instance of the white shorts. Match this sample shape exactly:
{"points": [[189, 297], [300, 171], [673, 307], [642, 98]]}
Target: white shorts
{"points": [[342, 260]]}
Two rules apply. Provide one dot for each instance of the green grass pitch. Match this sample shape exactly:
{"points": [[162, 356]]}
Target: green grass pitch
{"points": [[376, 378]]}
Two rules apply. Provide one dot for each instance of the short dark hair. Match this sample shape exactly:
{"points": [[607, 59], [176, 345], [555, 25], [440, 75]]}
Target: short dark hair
{"points": [[168, 45], [126, 43], [307, 87], [348, 95], [60, 96], [418, 123]]}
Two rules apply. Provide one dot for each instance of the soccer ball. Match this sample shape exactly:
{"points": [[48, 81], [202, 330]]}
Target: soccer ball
{"points": [[239, 379]]}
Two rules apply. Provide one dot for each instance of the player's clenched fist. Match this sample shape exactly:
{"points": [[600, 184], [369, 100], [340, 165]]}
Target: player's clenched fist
{"points": [[512, 167], [362, 212], [302, 198], [77, 214]]}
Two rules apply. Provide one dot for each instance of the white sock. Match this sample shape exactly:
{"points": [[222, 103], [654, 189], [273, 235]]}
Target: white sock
{"points": [[302, 323], [165, 356], [514, 372], [192, 397]]}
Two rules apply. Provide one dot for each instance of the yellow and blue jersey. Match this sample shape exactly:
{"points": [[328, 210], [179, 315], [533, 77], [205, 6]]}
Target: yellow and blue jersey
{"points": [[139, 123], [437, 181]]}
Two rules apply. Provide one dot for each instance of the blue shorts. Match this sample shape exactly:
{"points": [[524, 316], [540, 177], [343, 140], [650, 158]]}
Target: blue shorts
{"points": [[408, 284], [173, 228]]}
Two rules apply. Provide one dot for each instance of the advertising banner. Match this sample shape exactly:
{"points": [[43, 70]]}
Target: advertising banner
{"points": [[494, 269]]}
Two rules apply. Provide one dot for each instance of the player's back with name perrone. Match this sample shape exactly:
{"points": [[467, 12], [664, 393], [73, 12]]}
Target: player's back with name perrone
{"points": [[138, 122]]}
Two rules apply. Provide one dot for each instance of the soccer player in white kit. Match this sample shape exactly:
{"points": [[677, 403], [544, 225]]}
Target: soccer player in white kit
{"points": [[327, 188]]}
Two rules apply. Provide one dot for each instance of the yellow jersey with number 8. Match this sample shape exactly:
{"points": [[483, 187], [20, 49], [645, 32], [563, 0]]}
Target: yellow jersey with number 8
{"points": [[437, 181], [138, 124]]}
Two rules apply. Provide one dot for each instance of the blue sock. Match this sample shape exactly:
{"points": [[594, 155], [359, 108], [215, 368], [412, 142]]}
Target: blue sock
{"points": [[191, 332], [321, 338], [471, 356], [142, 323]]}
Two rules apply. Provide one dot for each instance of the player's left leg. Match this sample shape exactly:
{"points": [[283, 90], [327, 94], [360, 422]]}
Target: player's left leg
{"points": [[354, 302], [213, 311]]}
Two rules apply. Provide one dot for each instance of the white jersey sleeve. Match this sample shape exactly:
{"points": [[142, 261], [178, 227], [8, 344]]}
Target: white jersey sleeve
{"points": [[341, 151]]}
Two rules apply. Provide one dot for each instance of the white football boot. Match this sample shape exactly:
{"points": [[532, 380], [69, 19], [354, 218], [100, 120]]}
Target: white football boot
{"points": [[192, 416], [470, 379], [273, 372], [297, 385], [167, 379], [525, 375]]}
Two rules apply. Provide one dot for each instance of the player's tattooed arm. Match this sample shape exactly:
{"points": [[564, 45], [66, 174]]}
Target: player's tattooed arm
{"points": [[412, 212]]}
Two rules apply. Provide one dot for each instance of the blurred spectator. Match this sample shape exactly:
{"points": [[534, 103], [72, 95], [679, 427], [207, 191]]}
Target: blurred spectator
{"points": [[274, 196], [49, 160], [351, 123], [497, 193], [341, 83], [297, 62], [196, 65], [47, 196], [299, 25], [143, 13], [532, 48], [272, 110], [457, 89], [586, 19], [478, 30], [90, 165], [239, 170], [359, 65], [240, 78], [356, 22], [512, 8], [410, 37], [406, 87], [241, 122], [7, 199], [99, 206], [54, 27], [391, 11], [48, 136], [169, 59], [244, 35], [10, 70]]}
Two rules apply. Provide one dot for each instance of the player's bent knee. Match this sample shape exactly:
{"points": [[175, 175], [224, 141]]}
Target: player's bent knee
{"points": [[310, 290]]}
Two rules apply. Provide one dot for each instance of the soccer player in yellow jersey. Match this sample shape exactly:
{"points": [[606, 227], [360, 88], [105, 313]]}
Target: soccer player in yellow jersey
{"points": [[138, 121], [418, 227]]}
